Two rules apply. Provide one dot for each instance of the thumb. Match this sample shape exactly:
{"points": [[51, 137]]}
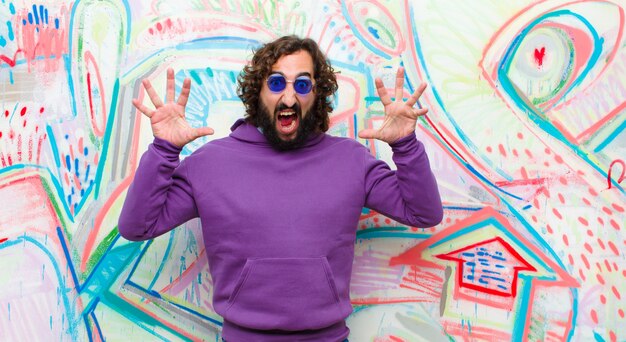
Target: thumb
{"points": [[368, 133], [202, 131]]}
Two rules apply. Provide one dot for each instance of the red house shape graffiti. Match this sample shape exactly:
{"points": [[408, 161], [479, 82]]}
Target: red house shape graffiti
{"points": [[489, 266]]}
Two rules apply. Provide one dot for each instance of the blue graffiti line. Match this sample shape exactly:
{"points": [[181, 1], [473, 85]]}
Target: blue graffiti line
{"points": [[455, 125], [534, 113], [494, 278], [346, 15], [64, 290]]}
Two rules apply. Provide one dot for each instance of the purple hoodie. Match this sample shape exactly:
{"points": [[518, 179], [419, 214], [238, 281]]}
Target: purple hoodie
{"points": [[279, 228]]}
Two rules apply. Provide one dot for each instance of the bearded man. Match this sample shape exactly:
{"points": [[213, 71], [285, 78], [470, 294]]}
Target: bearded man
{"points": [[279, 200]]}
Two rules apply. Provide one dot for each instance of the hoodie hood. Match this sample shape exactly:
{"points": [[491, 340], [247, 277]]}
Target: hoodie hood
{"points": [[243, 131]]}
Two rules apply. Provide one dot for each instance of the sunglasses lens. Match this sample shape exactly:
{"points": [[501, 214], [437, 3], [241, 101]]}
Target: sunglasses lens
{"points": [[276, 83], [302, 85]]}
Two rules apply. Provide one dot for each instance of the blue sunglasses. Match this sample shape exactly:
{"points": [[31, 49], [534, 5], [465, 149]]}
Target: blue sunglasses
{"points": [[277, 83]]}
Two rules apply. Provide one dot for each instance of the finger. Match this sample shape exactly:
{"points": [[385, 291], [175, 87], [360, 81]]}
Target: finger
{"points": [[420, 111], [154, 97], [184, 93], [416, 95], [169, 87], [399, 83], [382, 92], [368, 133], [143, 109], [202, 131]]}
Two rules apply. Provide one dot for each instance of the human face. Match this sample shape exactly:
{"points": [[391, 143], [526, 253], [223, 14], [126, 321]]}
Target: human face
{"points": [[287, 108]]}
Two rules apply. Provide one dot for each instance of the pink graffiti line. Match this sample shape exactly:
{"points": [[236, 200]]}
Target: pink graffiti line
{"points": [[132, 165]]}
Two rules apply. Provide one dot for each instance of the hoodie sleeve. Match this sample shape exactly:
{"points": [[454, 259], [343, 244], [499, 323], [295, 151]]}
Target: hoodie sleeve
{"points": [[408, 195], [160, 196]]}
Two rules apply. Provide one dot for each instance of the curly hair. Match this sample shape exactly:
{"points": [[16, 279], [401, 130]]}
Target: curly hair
{"points": [[250, 81]]}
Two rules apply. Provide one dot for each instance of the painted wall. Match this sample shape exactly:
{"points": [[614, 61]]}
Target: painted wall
{"points": [[525, 133]]}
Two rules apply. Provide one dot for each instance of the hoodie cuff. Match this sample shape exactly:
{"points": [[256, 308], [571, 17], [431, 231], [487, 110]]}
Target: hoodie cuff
{"points": [[166, 149], [405, 144]]}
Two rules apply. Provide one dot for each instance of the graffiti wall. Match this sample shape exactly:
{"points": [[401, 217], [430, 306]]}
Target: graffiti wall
{"points": [[525, 133]]}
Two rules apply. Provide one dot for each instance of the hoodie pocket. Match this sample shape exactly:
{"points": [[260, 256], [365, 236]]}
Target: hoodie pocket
{"points": [[285, 294]]}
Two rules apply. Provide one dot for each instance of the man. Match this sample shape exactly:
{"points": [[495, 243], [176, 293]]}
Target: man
{"points": [[279, 200]]}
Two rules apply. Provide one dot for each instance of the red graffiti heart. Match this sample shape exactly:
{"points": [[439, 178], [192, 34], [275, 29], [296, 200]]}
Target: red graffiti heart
{"points": [[539, 55]]}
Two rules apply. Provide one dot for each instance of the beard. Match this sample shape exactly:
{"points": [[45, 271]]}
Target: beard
{"points": [[267, 122]]}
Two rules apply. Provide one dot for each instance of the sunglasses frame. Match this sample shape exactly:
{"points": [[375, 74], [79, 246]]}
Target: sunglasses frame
{"points": [[308, 79]]}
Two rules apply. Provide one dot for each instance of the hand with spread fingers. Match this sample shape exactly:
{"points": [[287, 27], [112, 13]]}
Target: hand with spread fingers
{"points": [[168, 119], [400, 117]]}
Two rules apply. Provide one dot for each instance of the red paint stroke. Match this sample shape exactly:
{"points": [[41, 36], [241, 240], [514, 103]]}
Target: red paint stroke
{"points": [[442, 136], [518, 264], [414, 256], [539, 55], [621, 177], [3, 240], [593, 128], [10, 61], [100, 216], [98, 127], [148, 311], [177, 285]]}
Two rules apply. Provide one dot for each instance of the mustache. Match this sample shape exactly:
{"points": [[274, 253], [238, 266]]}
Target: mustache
{"points": [[281, 106]]}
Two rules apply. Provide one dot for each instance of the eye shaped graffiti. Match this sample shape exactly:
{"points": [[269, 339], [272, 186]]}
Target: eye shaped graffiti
{"points": [[375, 27], [558, 60]]}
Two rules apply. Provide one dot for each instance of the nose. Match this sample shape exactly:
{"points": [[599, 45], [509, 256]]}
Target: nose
{"points": [[289, 95]]}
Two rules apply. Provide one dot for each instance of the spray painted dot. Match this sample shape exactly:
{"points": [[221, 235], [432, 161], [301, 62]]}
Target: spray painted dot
{"points": [[594, 316], [614, 224], [558, 159], [528, 153], [613, 248], [616, 292], [585, 261]]}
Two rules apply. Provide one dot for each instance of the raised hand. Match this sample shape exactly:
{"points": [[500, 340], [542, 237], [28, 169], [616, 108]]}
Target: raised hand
{"points": [[168, 119], [400, 117]]}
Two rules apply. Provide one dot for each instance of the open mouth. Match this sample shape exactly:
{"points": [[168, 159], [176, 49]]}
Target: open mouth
{"points": [[287, 118], [287, 124]]}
